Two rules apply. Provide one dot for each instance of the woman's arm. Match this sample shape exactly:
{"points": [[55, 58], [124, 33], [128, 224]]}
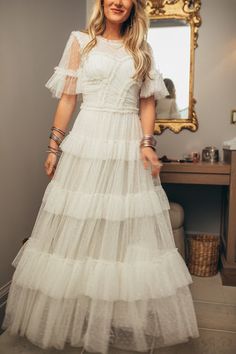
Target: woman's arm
{"points": [[152, 89], [63, 114], [147, 113], [64, 85], [64, 111]]}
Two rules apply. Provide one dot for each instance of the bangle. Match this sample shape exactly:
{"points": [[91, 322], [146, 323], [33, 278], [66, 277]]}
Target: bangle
{"points": [[148, 141], [53, 152], [56, 138], [153, 147], [148, 135], [58, 130], [149, 138], [51, 147]]}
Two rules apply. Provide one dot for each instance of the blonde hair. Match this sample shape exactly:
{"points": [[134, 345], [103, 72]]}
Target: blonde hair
{"points": [[133, 31]]}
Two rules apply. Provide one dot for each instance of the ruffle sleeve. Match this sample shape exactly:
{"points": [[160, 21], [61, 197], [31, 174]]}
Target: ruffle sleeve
{"points": [[66, 76], [154, 85]]}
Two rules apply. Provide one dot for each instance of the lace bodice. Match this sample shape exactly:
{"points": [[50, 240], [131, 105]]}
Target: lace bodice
{"points": [[104, 77]]}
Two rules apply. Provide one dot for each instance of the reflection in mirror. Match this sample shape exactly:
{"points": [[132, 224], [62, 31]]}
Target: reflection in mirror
{"points": [[171, 43]]}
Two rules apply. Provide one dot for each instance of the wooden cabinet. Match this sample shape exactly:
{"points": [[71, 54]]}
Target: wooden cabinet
{"points": [[222, 174]]}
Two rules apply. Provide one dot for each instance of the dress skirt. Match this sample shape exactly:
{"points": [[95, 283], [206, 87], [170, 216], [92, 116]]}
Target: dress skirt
{"points": [[101, 268]]}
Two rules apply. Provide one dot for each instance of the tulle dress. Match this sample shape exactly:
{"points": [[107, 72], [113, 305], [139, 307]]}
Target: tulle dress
{"points": [[101, 268]]}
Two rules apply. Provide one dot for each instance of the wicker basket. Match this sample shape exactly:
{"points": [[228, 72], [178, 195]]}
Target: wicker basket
{"points": [[203, 255]]}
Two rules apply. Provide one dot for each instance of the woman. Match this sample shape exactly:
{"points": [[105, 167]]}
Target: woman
{"points": [[101, 268], [167, 107]]}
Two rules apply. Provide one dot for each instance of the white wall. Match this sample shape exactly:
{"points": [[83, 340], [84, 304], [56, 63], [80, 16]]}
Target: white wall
{"points": [[89, 4], [32, 36]]}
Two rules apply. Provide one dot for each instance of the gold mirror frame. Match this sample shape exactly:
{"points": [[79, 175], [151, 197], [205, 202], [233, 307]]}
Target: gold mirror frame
{"points": [[179, 9]]}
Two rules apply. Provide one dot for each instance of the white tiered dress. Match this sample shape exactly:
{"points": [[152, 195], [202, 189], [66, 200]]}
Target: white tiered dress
{"points": [[101, 268]]}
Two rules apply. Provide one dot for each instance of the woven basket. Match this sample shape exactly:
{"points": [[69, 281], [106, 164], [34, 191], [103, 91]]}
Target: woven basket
{"points": [[203, 255]]}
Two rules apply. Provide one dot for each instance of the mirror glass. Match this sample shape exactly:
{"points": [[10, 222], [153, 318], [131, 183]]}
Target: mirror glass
{"points": [[171, 43]]}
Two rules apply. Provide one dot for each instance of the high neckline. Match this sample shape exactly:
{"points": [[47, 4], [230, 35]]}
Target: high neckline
{"points": [[108, 40]]}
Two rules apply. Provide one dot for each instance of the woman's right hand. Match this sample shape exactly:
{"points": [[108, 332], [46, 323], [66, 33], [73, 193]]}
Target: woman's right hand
{"points": [[50, 164]]}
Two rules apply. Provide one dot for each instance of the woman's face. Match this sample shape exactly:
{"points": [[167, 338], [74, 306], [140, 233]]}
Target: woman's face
{"points": [[117, 11]]}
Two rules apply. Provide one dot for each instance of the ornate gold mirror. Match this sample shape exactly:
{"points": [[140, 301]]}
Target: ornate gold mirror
{"points": [[173, 35]]}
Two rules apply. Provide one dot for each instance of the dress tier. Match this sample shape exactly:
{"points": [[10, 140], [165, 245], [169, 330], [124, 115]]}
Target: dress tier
{"points": [[101, 267]]}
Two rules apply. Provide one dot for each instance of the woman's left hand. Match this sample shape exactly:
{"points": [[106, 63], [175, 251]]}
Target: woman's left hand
{"points": [[149, 156]]}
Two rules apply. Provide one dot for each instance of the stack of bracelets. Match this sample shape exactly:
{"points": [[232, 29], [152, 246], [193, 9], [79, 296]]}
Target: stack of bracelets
{"points": [[57, 139], [148, 140]]}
